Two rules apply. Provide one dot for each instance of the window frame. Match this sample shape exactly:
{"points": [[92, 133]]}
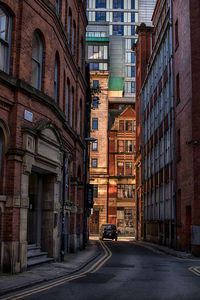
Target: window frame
{"points": [[95, 121], [95, 148], [94, 163], [6, 42], [38, 62]]}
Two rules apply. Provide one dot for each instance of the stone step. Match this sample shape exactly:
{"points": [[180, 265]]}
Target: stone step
{"points": [[38, 260], [36, 253]]}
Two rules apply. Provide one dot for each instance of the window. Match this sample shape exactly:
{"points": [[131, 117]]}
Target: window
{"points": [[129, 146], [95, 145], [73, 38], [97, 52], [95, 84], [128, 168], [58, 6], [81, 55], [176, 34], [132, 57], [118, 30], [130, 71], [120, 168], [125, 191], [1, 151], [129, 125], [178, 145], [67, 100], [100, 3], [121, 125], [95, 190], [80, 117], [132, 4], [37, 51], [5, 40], [56, 79], [69, 27], [120, 146], [95, 102], [132, 17], [94, 123], [98, 66], [72, 108], [132, 30], [118, 16], [118, 3], [94, 163], [177, 89], [100, 16]]}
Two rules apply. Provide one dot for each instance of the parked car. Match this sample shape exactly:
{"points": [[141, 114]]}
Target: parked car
{"points": [[108, 231]]}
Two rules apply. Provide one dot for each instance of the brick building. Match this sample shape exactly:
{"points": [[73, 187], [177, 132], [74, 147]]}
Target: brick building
{"points": [[186, 28], [155, 100], [42, 112], [121, 182]]}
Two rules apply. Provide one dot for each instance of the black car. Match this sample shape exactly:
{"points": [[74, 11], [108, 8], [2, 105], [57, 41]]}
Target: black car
{"points": [[108, 231]]}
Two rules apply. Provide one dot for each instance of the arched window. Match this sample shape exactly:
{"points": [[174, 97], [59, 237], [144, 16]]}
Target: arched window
{"points": [[1, 151], [69, 27], [37, 52], [56, 78], [67, 99], [73, 38], [80, 117], [81, 55], [72, 107], [5, 40]]}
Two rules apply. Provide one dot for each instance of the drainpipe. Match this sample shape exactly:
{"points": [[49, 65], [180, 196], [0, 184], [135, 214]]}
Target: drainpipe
{"points": [[62, 250]]}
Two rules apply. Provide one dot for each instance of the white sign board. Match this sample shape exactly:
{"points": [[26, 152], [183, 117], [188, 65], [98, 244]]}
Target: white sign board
{"points": [[28, 116]]}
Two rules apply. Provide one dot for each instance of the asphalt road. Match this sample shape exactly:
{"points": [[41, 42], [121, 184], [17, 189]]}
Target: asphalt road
{"points": [[132, 272]]}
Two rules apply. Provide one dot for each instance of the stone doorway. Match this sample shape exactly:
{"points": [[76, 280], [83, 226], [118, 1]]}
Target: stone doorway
{"points": [[94, 222], [35, 209]]}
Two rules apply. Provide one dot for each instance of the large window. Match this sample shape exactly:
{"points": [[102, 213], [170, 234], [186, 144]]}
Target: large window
{"points": [[118, 30], [94, 123], [97, 52], [98, 66], [120, 146], [72, 108], [100, 3], [118, 16], [37, 52], [128, 168], [118, 3], [1, 151], [67, 100], [5, 40], [95, 190], [120, 168], [100, 16], [129, 146], [94, 163], [73, 38], [95, 146], [129, 125], [125, 191], [56, 79], [69, 26]]}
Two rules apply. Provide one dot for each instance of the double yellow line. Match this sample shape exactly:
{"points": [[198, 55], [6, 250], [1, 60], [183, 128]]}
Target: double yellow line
{"points": [[94, 268]]}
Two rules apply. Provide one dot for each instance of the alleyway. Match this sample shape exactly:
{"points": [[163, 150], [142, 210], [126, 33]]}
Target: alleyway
{"points": [[130, 272]]}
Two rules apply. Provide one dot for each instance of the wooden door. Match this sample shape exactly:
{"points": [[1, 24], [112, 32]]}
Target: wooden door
{"points": [[94, 222]]}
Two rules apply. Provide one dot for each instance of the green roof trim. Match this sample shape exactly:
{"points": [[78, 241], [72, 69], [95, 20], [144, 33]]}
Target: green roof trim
{"points": [[97, 39], [116, 84]]}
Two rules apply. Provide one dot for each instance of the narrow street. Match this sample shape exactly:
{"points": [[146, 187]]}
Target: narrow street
{"points": [[130, 272]]}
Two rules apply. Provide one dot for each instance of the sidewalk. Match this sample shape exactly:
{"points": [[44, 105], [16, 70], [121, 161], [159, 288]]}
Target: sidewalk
{"points": [[164, 249], [42, 273]]}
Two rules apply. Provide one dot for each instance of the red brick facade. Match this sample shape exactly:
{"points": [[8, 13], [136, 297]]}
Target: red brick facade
{"points": [[35, 127], [187, 123]]}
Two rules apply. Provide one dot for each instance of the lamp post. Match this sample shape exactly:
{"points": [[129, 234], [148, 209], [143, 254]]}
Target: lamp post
{"points": [[88, 140]]}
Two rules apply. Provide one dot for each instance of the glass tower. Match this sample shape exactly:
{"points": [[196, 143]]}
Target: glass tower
{"points": [[116, 18]]}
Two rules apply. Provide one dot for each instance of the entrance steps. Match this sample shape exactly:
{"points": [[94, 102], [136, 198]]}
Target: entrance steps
{"points": [[36, 256]]}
